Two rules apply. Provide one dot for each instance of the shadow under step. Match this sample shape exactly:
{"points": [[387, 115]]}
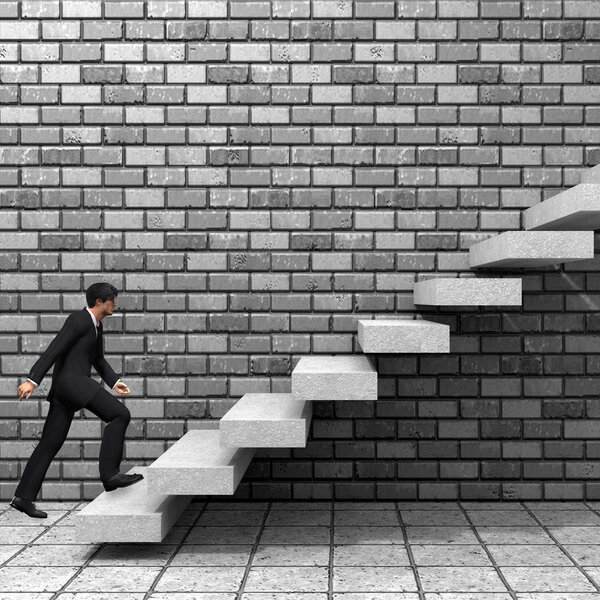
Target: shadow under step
{"points": [[577, 208], [532, 248], [129, 514], [197, 464], [334, 377], [266, 421], [468, 291], [403, 335]]}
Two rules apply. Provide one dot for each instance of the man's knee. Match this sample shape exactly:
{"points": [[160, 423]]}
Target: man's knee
{"points": [[124, 414]]}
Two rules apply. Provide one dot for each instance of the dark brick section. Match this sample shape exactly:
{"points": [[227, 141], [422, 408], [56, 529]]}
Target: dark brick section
{"points": [[255, 177]]}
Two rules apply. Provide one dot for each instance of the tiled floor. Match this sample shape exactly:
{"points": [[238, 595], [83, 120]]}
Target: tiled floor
{"points": [[315, 551]]}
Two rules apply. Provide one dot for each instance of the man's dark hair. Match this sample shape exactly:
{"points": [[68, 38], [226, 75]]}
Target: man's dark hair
{"points": [[104, 291]]}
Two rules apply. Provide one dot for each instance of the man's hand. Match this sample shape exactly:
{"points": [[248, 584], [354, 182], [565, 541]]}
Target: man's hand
{"points": [[26, 388], [122, 389]]}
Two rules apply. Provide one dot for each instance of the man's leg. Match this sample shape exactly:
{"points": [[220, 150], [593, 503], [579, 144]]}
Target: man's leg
{"points": [[116, 416], [54, 433]]}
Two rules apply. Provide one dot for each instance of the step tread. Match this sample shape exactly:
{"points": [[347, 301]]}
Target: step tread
{"points": [[198, 464], [577, 208], [328, 363], [532, 248], [265, 407], [260, 420]]}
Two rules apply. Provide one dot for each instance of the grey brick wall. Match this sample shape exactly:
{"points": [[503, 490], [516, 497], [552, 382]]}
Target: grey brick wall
{"points": [[256, 176]]}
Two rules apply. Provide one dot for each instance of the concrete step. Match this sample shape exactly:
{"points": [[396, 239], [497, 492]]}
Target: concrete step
{"points": [[338, 377], [578, 208], [403, 335], [532, 249], [266, 421], [130, 514], [591, 175], [197, 464], [468, 291]]}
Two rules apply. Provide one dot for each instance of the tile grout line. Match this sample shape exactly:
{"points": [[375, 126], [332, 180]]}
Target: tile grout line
{"points": [[509, 590], [57, 593], [411, 558], [150, 591], [559, 545], [31, 542], [255, 545], [331, 550]]}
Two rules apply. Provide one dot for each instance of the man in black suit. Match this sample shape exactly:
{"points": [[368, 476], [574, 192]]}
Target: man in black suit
{"points": [[76, 347]]}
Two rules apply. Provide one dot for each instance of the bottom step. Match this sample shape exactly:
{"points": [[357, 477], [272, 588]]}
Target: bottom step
{"points": [[129, 514]]}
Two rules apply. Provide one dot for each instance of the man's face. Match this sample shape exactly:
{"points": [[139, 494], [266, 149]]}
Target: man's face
{"points": [[107, 306]]}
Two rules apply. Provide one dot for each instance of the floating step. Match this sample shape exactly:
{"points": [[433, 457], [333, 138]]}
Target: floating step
{"points": [[578, 208], [591, 175], [403, 335], [266, 421], [129, 514], [532, 248], [468, 291], [198, 464], [337, 377]]}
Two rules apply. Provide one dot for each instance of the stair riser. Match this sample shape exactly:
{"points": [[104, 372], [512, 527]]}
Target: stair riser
{"points": [[532, 249], [468, 292], [200, 481], [398, 339]]}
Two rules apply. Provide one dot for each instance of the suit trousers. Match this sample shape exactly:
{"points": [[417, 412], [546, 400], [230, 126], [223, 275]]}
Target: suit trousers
{"points": [[102, 404]]}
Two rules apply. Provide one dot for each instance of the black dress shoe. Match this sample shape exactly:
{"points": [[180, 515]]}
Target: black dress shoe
{"points": [[121, 480], [28, 507]]}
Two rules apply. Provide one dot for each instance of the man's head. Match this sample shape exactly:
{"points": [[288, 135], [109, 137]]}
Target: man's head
{"points": [[102, 296]]}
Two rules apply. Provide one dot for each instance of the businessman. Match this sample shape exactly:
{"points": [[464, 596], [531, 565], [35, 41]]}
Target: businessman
{"points": [[76, 347]]}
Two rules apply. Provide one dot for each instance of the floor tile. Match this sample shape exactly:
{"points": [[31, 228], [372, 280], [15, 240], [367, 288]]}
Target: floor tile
{"points": [[114, 579], [374, 579], [47, 555], [460, 579], [15, 517], [514, 535], [501, 518], [520, 555], [34, 579], [15, 534], [450, 555], [222, 535], [287, 579], [546, 579], [370, 555], [368, 535], [212, 555], [300, 518], [445, 518], [300, 555], [230, 518], [295, 535], [363, 517], [200, 579], [441, 535], [133, 555]]}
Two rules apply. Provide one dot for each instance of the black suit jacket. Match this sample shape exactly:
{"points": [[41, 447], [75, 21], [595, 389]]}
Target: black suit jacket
{"points": [[74, 350]]}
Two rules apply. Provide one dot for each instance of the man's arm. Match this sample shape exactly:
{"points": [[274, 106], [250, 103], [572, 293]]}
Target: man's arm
{"points": [[104, 369], [64, 339]]}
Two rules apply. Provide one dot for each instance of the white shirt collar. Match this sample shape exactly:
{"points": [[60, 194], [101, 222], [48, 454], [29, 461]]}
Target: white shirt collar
{"points": [[93, 317]]}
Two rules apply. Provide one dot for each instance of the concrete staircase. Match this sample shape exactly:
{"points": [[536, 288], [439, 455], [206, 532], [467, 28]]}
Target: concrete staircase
{"points": [[213, 461]]}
